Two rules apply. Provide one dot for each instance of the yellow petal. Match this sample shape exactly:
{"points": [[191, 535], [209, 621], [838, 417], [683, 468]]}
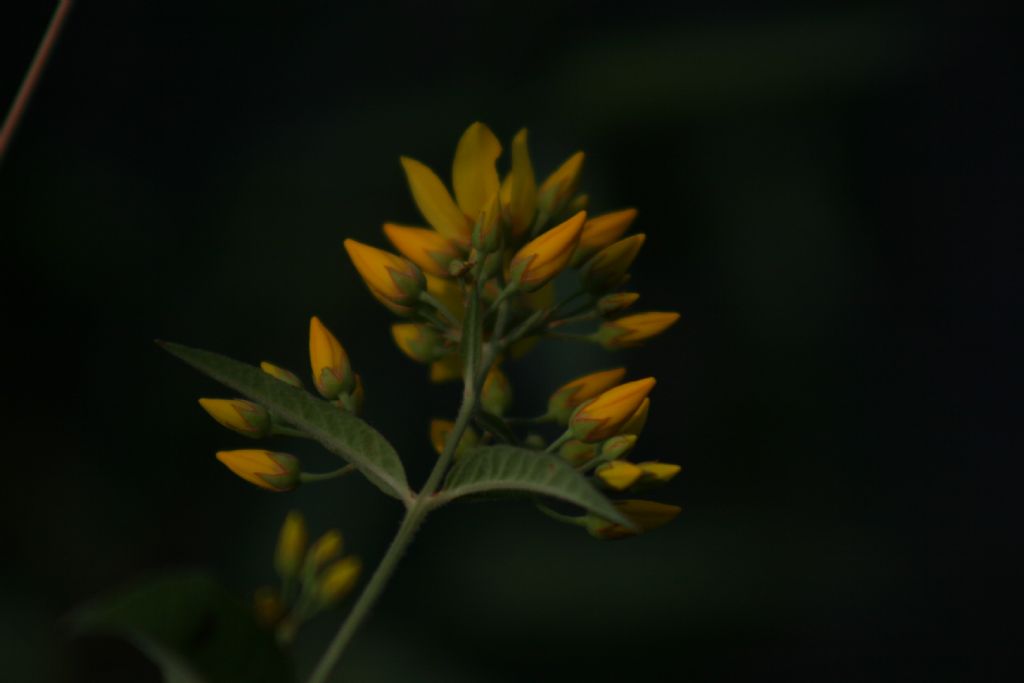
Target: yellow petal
{"points": [[291, 544], [332, 372], [434, 202], [474, 176], [603, 416], [266, 469], [446, 369], [392, 277], [428, 249], [571, 394], [660, 471], [546, 256], [339, 579], [519, 191], [630, 330], [600, 231], [619, 475]]}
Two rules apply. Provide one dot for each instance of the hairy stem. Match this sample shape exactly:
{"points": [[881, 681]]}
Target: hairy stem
{"points": [[32, 76]]}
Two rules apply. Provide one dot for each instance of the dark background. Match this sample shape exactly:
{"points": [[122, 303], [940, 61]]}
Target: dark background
{"points": [[828, 193]]}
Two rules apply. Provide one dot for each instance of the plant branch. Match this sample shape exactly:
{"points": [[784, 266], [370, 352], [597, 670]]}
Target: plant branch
{"points": [[33, 75]]}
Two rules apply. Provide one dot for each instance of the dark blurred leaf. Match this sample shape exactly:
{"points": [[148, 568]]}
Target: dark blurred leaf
{"points": [[339, 432], [193, 629], [489, 469]]}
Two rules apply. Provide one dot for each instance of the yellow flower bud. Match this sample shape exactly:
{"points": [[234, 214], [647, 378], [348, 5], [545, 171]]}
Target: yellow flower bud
{"points": [[266, 469], [447, 369], [635, 424], [609, 267], [659, 472], [439, 430], [577, 453], [618, 446], [496, 393], [332, 373], [613, 303], [647, 515], [268, 606], [602, 417], [418, 341], [434, 202], [618, 475], [429, 250], [450, 293], [487, 229], [567, 398], [245, 417], [601, 231], [474, 177], [325, 549], [291, 545], [391, 278], [560, 186], [286, 376], [338, 580], [546, 256], [519, 191], [631, 330]]}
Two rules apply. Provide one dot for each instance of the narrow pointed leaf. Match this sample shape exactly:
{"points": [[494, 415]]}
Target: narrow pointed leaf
{"points": [[507, 469], [341, 433]]}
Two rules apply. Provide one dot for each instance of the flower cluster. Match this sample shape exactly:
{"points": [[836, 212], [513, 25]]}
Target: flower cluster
{"points": [[510, 238], [312, 579]]}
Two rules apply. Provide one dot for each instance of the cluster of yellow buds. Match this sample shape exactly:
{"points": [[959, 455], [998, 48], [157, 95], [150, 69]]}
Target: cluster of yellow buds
{"points": [[334, 380], [313, 578], [516, 236], [511, 238]]}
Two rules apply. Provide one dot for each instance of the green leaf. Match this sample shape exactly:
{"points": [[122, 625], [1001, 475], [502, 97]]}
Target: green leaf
{"points": [[340, 432], [491, 469], [191, 628]]}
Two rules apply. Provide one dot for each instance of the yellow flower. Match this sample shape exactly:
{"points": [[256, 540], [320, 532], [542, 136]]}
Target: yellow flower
{"points": [[439, 430], [286, 376], [291, 545], [660, 472], [244, 417], [332, 373], [496, 393], [560, 186], [325, 549], [635, 424], [618, 475], [602, 417], [434, 202], [613, 303], [519, 191], [338, 580], [609, 267], [601, 231], [429, 250], [266, 469], [391, 278], [547, 255], [474, 177], [631, 330], [420, 342], [647, 515], [447, 369], [570, 395]]}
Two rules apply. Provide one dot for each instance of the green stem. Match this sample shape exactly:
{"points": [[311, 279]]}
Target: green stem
{"points": [[568, 336], [557, 443], [428, 298], [414, 516], [307, 477]]}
